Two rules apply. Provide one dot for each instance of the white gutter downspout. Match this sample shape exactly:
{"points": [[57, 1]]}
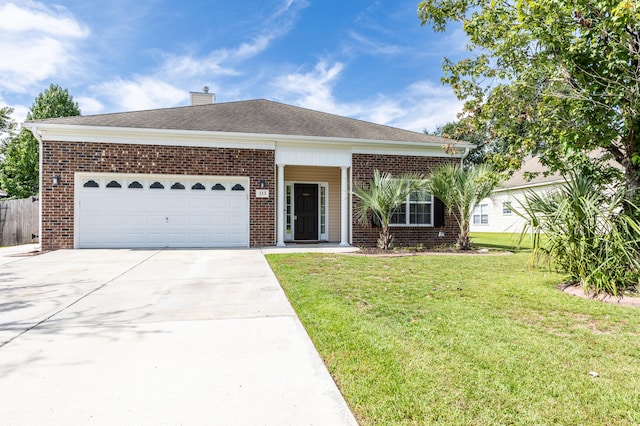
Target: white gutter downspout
{"points": [[34, 132]]}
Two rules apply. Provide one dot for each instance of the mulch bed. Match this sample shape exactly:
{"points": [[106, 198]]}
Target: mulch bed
{"points": [[412, 251]]}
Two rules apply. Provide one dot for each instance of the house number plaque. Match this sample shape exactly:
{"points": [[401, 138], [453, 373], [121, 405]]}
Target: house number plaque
{"points": [[262, 193]]}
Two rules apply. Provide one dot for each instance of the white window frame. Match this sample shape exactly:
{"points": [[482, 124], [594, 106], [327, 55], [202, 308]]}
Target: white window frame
{"points": [[507, 210], [407, 206], [481, 214]]}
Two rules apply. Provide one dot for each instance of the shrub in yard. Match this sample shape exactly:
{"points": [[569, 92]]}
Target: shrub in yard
{"points": [[381, 199], [460, 189], [589, 235]]}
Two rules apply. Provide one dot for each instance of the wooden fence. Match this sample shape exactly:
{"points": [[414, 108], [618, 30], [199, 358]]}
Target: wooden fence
{"points": [[19, 221]]}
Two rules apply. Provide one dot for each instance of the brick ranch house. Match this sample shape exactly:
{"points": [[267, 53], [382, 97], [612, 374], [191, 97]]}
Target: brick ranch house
{"points": [[236, 174]]}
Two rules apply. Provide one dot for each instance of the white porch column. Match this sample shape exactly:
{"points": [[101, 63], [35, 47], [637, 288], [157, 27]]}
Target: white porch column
{"points": [[280, 207], [345, 214]]}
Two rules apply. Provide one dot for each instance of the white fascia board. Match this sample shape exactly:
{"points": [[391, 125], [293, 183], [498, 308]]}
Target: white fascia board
{"points": [[529, 186], [74, 133], [137, 136], [407, 149]]}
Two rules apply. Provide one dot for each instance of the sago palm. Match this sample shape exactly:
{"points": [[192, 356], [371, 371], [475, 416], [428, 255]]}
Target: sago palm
{"points": [[382, 198], [460, 190]]}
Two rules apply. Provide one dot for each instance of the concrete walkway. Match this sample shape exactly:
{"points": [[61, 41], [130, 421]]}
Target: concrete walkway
{"points": [[152, 337]]}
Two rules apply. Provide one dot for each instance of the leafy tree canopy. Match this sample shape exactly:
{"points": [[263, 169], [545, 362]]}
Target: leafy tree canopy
{"points": [[52, 103], [557, 78], [19, 174], [7, 124], [19, 168], [485, 148]]}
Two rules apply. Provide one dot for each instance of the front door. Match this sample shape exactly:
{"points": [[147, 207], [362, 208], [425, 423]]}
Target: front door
{"points": [[306, 211]]}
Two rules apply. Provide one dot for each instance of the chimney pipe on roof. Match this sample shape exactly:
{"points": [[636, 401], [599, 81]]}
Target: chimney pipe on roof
{"points": [[203, 98]]}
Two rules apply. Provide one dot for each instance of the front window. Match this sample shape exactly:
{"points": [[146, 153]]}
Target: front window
{"points": [[481, 214], [506, 208], [417, 210]]}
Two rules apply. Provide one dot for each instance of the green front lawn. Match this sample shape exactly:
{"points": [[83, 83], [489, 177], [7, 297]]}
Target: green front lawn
{"points": [[500, 241], [469, 340]]}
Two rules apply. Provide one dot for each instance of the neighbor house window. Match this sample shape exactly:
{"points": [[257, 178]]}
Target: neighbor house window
{"points": [[481, 214], [506, 208], [417, 210]]}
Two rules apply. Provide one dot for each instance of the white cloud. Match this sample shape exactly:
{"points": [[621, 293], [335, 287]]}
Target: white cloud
{"points": [[426, 105], [89, 106], [141, 93], [313, 89], [37, 42], [19, 111], [186, 66], [422, 105], [374, 47], [224, 62], [36, 17]]}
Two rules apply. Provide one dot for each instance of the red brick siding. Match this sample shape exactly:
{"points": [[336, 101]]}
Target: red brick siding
{"points": [[65, 158], [363, 167]]}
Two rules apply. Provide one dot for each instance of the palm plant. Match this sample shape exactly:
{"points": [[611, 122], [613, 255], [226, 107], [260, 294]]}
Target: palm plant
{"points": [[587, 234], [382, 198], [460, 189]]}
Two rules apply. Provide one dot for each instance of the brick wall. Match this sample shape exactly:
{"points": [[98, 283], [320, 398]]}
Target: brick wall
{"points": [[363, 167], [65, 158]]}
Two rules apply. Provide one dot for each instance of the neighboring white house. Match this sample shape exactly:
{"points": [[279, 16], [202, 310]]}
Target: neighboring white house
{"points": [[495, 214]]}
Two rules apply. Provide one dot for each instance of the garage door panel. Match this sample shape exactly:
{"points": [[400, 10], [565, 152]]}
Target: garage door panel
{"points": [[177, 220], [135, 220], [236, 239], [200, 203], [139, 216], [198, 238], [154, 219], [176, 238], [156, 238], [136, 238]]}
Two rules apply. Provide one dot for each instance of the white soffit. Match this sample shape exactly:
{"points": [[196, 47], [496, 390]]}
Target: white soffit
{"points": [[71, 133]]}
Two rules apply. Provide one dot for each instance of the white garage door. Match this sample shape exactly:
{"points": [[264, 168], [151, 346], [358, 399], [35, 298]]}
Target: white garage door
{"points": [[128, 211]]}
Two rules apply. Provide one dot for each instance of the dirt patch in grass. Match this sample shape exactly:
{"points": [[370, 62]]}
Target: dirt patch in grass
{"points": [[626, 300]]}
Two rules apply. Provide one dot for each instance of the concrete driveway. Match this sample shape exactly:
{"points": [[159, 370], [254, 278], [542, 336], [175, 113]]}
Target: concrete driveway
{"points": [[156, 337]]}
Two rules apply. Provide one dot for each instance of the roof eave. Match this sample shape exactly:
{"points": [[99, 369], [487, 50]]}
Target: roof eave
{"points": [[529, 185], [51, 131]]}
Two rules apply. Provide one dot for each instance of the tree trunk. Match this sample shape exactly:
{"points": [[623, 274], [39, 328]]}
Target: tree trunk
{"points": [[385, 241], [464, 242]]}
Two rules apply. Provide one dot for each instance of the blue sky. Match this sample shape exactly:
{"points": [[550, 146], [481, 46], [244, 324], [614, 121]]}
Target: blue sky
{"points": [[364, 59]]}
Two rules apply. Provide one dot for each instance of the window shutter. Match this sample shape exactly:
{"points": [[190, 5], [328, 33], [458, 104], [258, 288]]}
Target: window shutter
{"points": [[438, 213], [375, 222]]}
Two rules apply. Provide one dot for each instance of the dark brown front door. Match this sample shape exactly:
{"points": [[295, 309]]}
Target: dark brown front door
{"points": [[306, 211]]}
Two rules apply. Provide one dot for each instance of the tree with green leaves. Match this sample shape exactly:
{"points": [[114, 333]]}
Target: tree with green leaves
{"points": [[7, 124], [560, 79], [382, 198], [19, 167], [461, 189], [54, 102], [485, 147]]}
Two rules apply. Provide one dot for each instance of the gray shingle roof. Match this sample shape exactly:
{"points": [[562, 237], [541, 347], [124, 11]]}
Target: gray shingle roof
{"points": [[531, 165], [258, 116]]}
